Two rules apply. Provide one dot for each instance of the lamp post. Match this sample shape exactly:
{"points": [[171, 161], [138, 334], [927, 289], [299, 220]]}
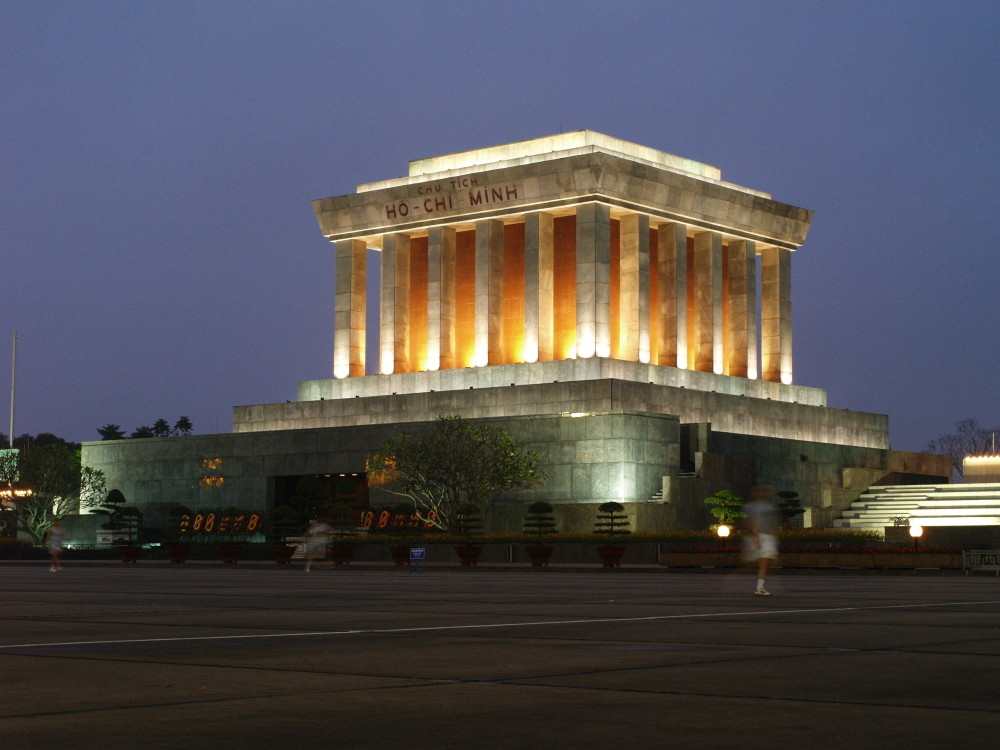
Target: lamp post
{"points": [[723, 530], [916, 532]]}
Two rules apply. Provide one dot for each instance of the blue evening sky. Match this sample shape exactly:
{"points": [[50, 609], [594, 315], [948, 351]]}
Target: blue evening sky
{"points": [[159, 255]]}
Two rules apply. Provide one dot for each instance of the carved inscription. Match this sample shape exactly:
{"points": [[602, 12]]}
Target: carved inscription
{"points": [[452, 195]]}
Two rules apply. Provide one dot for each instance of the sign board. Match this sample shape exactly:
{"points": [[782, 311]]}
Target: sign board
{"points": [[418, 553]]}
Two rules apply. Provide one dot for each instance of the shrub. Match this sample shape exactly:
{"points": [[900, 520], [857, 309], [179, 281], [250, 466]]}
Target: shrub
{"points": [[611, 519], [539, 520]]}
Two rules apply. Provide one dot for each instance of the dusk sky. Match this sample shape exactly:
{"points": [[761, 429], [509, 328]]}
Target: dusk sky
{"points": [[159, 255]]}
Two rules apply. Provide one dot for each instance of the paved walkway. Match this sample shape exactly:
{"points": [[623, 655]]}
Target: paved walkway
{"points": [[254, 657]]}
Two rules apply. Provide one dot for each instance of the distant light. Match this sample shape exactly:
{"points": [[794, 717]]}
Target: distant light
{"points": [[723, 530], [916, 531]]}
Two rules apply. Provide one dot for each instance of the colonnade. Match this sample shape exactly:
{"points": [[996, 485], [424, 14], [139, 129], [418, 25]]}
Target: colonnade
{"points": [[548, 286]]}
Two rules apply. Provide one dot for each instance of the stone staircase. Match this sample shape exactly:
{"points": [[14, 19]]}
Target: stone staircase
{"points": [[924, 505]]}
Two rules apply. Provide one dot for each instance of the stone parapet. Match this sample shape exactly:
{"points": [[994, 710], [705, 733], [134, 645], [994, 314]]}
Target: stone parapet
{"points": [[739, 413], [562, 371]]}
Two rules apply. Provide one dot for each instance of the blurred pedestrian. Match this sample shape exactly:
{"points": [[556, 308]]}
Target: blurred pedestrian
{"points": [[54, 541], [762, 542], [317, 538]]}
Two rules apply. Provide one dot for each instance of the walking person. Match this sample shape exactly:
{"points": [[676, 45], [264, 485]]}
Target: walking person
{"points": [[762, 544], [54, 541], [317, 538]]}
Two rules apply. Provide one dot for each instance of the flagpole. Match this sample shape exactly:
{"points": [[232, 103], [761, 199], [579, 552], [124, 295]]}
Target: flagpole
{"points": [[13, 376]]}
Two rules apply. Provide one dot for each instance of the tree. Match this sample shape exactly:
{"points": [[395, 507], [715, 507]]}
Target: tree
{"points": [[539, 519], [727, 506], [968, 439], [111, 432], [450, 464], [59, 485], [9, 482], [47, 438], [123, 520], [611, 519], [790, 507], [160, 428]]}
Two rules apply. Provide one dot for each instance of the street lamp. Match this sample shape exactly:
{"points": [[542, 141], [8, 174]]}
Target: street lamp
{"points": [[723, 530], [916, 532]]}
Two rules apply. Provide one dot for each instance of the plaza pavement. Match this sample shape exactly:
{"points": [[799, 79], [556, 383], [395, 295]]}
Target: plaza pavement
{"points": [[159, 656]]}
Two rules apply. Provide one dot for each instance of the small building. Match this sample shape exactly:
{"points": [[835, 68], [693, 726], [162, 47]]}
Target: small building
{"points": [[623, 311]]}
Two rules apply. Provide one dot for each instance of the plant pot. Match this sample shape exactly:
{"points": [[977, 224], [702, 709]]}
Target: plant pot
{"points": [[342, 554], [282, 553], [129, 553], [611, 555], [178, 553], [468, 554], [230, 553], [400, 554], [539, 555]]}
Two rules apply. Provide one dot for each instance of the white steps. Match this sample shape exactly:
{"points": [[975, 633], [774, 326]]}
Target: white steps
{"points": [[924, 505]]}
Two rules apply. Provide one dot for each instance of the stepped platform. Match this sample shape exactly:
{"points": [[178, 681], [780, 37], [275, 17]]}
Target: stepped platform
{"points": [[926, 505]]}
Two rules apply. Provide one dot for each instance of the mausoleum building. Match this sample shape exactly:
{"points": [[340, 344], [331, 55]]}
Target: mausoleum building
{"points": [[625, 312]]}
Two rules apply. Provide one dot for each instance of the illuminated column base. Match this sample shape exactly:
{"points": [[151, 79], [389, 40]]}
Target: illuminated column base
{"points": [[349, 309], [593, 280], [671, 243], [394, 331], [441, 298], [776, 315], [489, 293], [708, 351], [633, 289], [741, 325], [539, 279]]}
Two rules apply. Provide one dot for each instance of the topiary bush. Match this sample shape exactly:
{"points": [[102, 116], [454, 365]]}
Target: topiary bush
{"points": [[539, 521], [611, 520]]}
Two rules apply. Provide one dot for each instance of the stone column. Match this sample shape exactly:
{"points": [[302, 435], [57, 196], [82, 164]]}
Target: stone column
{"points": [[489, 292], [633, 288], [593, 280], [741, 327], [349, 309], [539, 286], [441, 298], [671, 244], [776, 314], [708, 302], [394, 320]]}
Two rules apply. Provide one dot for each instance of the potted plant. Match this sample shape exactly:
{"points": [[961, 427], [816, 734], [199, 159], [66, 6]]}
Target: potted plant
{"points": [[727, 507], [790, 508], [404, 515], [538, 522], [231, 547], [123, 522], [342, 523], [128, 521], [611, 522], [468, 522], [284, 523], [178, 522]]}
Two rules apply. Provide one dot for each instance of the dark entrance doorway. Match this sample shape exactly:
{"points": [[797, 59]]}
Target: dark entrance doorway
{"points": [[315, 495]]}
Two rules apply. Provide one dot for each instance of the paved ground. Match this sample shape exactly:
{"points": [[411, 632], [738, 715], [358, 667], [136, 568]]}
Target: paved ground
{"points": [[157, 657]]}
